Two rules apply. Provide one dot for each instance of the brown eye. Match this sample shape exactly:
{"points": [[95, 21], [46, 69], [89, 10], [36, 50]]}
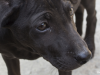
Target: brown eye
{"points": [[42, 27], [71, 12]]}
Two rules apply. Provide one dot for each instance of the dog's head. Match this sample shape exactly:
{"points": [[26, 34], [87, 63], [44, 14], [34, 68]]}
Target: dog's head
{"points": [[47, 27]]}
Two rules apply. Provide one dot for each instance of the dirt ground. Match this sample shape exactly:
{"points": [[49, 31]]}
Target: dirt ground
{"points": [[42, 67]]}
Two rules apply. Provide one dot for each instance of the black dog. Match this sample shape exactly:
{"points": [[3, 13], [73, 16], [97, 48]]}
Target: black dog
{"points": [[30, 29]]}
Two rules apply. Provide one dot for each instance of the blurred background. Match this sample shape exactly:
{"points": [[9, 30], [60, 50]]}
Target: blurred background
{"points": [[42, 67]]}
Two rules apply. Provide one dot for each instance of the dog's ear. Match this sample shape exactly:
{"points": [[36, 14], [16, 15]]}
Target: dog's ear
{"points": [[11, 16], [66, 5], [74, 1]]}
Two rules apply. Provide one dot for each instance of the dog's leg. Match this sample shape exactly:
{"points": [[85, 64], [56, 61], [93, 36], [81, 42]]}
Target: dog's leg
{"points": [[12, 65], [91, 23], [64, 73], [79, 18]]}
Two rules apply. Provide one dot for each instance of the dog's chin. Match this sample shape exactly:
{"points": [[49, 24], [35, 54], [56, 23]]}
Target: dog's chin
{"points": [[66, 67], [66, 64]]}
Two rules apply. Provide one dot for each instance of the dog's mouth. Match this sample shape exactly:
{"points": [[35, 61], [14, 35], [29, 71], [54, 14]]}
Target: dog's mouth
{"points": [[64, 64]]}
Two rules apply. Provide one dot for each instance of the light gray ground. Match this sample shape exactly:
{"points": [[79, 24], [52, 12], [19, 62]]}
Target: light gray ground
{"points": [[42, 67]]}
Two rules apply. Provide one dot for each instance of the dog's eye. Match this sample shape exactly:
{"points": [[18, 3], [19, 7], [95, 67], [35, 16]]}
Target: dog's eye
{"points": [[42, 26], [71, 12]]}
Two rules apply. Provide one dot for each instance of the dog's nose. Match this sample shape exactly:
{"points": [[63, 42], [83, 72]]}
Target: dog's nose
{"points": [[83, 57]]}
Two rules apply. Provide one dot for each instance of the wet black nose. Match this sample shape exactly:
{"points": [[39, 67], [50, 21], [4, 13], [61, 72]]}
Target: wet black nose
{"points": [[83, 57]]}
